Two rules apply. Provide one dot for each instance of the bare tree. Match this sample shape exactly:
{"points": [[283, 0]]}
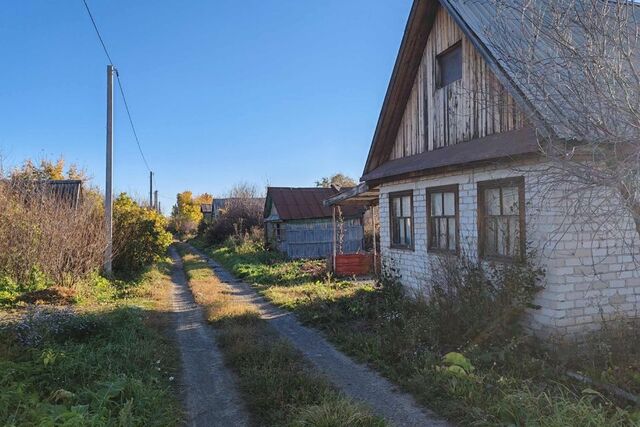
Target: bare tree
{"points": [[244, 190], [576, 64]]}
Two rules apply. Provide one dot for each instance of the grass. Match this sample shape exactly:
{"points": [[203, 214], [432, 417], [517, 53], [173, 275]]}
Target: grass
{"points": [[101, 361], [280, 388], [513, 382]]}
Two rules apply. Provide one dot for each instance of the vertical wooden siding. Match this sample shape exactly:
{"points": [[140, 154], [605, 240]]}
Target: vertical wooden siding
{"points": [[314, 238], [473, 107]]}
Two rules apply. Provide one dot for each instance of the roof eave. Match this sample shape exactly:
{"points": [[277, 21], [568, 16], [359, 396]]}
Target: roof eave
{"points": [[414, 40]]}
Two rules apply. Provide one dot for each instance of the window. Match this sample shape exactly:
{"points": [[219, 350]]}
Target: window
{"points": [[401, 207], [501, 225], [442, 218], [279, 232], [449, 65]]}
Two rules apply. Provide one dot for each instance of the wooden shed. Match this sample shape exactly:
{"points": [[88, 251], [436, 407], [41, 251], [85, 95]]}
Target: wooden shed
{"points": [[298, 224]]}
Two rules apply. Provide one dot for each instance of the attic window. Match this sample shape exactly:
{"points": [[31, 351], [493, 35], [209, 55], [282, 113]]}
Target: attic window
{"points": [[450, 65]]}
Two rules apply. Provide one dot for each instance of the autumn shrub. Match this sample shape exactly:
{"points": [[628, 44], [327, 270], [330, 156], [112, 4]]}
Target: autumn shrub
{"points": [[42, 234], [140, 236], [239, 217]]}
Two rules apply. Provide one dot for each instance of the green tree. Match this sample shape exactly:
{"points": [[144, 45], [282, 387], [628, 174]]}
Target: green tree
{"points": [[140, 235], [338, 179]]}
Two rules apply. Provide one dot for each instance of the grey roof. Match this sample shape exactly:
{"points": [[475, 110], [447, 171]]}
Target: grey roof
{"points": [[523, 50]]}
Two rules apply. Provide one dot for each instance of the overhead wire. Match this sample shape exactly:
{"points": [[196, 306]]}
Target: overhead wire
{"points": [[121, 89]]}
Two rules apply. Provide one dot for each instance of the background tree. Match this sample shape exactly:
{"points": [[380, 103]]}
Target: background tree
{"points": [[48, 169], [241, 215], [243, 190], [338, 179], [186, 215], [203, 199]]}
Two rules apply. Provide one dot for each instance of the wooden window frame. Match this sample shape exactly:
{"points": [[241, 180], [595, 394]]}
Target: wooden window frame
{"points": [[392, 218], [499, 183], [444, 189], [279, 231], [456, 45]]}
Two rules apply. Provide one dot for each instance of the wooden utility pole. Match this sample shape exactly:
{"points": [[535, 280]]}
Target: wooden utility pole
{"points": [[108, 191], [155, 200], [151, 189]]}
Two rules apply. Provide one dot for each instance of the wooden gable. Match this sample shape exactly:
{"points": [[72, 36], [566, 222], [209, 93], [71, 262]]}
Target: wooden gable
{"points": [[473, 107]]}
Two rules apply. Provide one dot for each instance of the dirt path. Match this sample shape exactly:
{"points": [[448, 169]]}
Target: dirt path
{"points": [[355, 380], [208, 388]]}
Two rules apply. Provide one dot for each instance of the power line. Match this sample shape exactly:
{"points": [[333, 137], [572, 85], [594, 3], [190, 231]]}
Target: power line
{"points": [[124, 98], [133, 128], [95, 27]]}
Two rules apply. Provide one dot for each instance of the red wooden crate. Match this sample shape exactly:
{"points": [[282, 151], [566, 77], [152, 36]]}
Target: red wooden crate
{"points": [[353, 264]]}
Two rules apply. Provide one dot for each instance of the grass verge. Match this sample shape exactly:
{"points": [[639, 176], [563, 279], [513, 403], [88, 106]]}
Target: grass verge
{"points": [[513, 383], [279, 386], [101, 361]]}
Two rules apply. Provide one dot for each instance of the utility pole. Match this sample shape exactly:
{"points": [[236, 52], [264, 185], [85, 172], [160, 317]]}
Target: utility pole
{"points": [[155, 200], [151, 189], [108, 191]]}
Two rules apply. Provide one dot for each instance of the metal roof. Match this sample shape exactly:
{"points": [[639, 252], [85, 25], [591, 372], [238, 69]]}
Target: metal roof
{"points": [[493, 147], [361, 195], [304, 203]]}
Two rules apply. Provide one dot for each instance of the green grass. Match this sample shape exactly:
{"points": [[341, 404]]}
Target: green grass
{"points": [[513, 382], [280, 388], [105, 363]]}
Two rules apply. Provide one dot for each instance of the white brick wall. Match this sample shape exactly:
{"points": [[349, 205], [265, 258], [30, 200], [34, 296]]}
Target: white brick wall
{"points": [[590, 271]]}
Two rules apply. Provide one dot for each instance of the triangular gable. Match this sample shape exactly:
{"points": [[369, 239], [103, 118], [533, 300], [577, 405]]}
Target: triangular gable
{"points": [[403, 88]]}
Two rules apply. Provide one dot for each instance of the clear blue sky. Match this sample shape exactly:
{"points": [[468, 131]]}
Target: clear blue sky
{"points": [[263, 91]]}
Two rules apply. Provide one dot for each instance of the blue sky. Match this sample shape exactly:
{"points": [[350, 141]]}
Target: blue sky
{"points": [[278, 92]]}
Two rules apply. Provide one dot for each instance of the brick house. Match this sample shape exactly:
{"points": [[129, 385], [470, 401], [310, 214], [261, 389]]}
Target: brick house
{"points": [[454, 173]]}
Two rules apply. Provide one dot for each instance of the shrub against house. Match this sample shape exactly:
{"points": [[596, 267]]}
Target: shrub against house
{"points": [[459, 163]]}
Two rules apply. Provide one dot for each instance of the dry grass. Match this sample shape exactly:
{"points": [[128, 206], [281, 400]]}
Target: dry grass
{"points": [[211, 293], [32, 222], [279, 387], [513, 383]]}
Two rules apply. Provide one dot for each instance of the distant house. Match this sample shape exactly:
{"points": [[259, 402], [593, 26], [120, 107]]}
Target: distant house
{"points": [[298, 224], [455, 174], [206, 210]]}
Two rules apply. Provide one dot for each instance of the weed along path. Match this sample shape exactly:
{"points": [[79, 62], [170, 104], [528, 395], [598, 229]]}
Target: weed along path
{"points": [[354, 380], [209, 389]]}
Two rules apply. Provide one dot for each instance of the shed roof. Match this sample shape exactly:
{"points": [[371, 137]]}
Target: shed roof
{"points": [[205, 208], [67, 190], [304, 203]]}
